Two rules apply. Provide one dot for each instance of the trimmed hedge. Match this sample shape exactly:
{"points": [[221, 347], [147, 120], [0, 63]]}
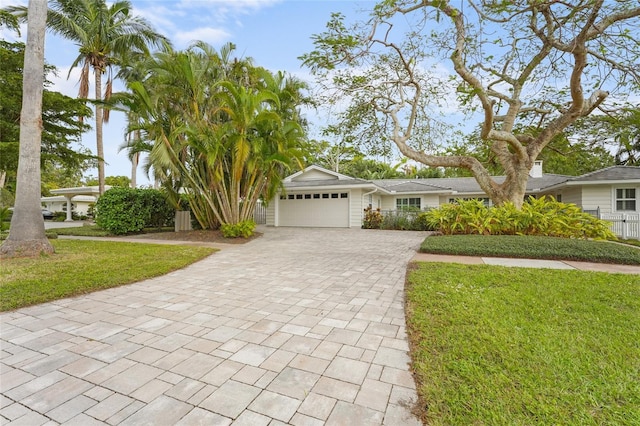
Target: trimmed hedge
{"points": [[127, 210]]}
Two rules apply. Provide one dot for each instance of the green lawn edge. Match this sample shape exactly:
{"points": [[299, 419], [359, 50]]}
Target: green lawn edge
{"points": [[80, 266], [532, 247]]}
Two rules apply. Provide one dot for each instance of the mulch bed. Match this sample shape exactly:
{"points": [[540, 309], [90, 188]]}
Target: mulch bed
{"points": [[200, 235]]}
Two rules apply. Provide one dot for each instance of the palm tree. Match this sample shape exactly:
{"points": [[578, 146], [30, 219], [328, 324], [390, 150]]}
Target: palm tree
{"points": [[105, 35], [27, 236], [223, 131]]}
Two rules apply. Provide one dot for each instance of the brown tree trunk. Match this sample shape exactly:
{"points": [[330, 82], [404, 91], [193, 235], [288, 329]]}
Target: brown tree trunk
{"points": [[27, 236]]}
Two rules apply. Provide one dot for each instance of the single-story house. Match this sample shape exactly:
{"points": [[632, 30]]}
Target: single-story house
{"points": [[317, 197], [78, 200]]}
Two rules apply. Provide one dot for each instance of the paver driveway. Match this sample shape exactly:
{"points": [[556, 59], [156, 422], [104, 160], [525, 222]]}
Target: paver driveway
{"points": [[301, 326]]}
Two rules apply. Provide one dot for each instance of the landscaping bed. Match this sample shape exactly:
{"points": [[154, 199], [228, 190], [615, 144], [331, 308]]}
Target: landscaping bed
{"points": [[532, 247]]}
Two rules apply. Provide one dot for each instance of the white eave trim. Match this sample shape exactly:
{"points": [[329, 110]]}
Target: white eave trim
{"points": [[604, 182], [340, 176]]}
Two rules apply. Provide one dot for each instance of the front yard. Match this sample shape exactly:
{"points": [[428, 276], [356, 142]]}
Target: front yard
{"points": [[79, 267], [496, 345]]}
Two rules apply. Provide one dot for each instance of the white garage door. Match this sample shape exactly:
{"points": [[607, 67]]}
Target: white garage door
{"points": [[315, 209]]}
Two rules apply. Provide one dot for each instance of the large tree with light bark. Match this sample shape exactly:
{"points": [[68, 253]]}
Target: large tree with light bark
{"points": [[105, 34], [27, 236], [514, 66]]}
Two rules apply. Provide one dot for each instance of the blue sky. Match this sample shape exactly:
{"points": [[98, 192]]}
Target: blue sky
{"points": [[273, 32]]}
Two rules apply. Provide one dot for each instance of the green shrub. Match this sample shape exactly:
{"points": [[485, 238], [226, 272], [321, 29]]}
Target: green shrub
{"points": [[241, 229], [125, 210], [404, 220], [372, 218], [543, 216]]}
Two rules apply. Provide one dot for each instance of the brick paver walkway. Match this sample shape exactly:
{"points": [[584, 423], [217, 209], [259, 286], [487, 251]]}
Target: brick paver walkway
{"points": [[301, 326]]}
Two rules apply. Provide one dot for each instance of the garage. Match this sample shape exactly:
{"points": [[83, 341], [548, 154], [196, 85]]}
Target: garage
{"points": [[322, 209]]}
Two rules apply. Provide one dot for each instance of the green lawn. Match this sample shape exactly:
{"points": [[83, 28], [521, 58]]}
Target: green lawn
{"points": [[515, 346], [532, 247], [79, 267]]}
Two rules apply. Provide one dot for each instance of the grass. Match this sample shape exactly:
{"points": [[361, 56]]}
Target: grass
{"points": [[532, 247], [496, 345], [96, 231], [79, 267]]}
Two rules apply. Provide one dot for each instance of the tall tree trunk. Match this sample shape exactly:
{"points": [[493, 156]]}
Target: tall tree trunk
{"points": [[27, 236], [99, 121], [135, 159]]}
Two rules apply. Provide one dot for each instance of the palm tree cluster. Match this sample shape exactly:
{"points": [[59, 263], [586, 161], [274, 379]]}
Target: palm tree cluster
{"points": [[220, 131]]}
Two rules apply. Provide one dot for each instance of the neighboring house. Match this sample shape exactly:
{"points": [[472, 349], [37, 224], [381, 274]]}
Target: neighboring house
{"points": [[70, 200], [79, 204], [317, 197]]}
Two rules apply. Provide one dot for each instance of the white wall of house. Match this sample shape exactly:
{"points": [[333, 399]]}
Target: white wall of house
{"points": [[596, 196], [79, 204], [313, 175], [572, 195], [356, 208], [271, 212]]}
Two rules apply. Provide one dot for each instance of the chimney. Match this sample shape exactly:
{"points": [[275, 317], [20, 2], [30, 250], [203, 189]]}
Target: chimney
{"points": [[536, 170]]}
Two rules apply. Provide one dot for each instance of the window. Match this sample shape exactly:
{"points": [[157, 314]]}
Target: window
{"points": [[316, 196], [485, 200], [298, 196], [325, 195], [334, 195], [344, 195], [407, 203], [291, 196], [625, 199], [307, 196]]}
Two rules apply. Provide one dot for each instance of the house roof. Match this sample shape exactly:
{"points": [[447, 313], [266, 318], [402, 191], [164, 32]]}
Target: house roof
{"points": [[459, 185], [465, 185], [615, 173], [83, 190], [326, 182]]}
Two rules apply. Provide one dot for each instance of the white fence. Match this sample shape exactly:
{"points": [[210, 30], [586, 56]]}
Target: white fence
{"points": [[624, 225]]}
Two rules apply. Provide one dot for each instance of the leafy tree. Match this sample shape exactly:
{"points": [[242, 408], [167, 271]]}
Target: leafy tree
{"points": [[561, 156], [115, 181], [59, 120], [516, 65], [27, 237], [9, 21], [627, 136], [331, 156], [105, 35]]}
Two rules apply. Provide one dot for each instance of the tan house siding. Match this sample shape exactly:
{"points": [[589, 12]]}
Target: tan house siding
{"points": [[356, 208], [571, 196], [313, 175], [271, 211], [594, 196]]}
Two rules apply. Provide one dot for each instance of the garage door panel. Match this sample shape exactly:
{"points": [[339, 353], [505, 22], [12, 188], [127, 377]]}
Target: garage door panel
{"points": [[314, 212]]}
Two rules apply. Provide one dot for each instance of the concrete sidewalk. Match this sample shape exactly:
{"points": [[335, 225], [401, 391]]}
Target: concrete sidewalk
{"points": [[528, 263], [300, 326]]}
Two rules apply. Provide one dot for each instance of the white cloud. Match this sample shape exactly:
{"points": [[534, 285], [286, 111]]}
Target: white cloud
{"points": [[209, 35]]}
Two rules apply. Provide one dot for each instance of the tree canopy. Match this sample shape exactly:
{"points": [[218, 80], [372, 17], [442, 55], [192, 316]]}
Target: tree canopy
{"points": [[61, 128], [524, 71], [106, 34]]}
